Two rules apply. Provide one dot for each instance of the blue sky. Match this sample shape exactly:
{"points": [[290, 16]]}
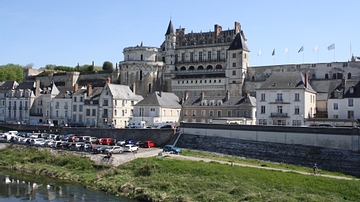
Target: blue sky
{"points": [[69, 32]]}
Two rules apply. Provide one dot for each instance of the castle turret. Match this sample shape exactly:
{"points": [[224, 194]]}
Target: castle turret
{"points": [[169, 55]]}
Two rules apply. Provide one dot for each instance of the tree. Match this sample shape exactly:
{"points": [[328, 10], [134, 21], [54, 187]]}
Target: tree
{"points": [[108, 66]]}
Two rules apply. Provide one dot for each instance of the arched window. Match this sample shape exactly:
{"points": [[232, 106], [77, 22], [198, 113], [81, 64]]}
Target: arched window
{"points": [[191, 68], [349, 76], [209, 67], [334, 76], [326, 76], [141, 57], [141, 75], [183, 68], [313, 76], [218, 67], [200, 67], [176, 68], [253, 78]]}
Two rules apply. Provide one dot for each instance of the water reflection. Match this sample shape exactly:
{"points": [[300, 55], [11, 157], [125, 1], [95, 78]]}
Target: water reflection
{"points": [[19, 187]]}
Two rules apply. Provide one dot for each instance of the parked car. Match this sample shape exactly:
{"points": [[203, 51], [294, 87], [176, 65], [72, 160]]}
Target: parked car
{"points": [[106, 141], [77, 145], [121, 142], [130, 148], [114, 150], [129, 142], [139, 143], [148, 144], [171, 149], [89, 139]]}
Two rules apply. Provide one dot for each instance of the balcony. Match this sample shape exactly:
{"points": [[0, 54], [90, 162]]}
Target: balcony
{"points": [[279, 101], [279, 115], [36, 114], [21, 108], [14, 107]]}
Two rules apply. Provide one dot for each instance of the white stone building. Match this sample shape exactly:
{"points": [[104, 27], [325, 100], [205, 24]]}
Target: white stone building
{"points": [[285, 99], [116, 103], [158, 107]]}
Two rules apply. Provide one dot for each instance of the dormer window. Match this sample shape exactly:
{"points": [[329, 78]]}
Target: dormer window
{"points": [[336, 94], [351, 90], [219, 103]]}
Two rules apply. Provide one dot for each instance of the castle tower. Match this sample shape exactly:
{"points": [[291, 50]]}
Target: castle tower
{"points": [[169, 55], [237, 62]]}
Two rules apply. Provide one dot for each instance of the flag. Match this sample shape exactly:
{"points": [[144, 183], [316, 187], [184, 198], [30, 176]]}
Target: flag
{"points": [[316, 48], [273, 53], [259, 53], [286, 50], [301, 49], [331, 47]]}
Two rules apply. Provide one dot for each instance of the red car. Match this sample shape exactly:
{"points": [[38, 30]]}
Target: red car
{"points": [[148, 143], [106, 141]]}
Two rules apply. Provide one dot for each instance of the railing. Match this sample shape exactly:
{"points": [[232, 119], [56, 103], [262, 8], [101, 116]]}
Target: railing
{"points": [[279, 115], [36, 114], [105, 116]]}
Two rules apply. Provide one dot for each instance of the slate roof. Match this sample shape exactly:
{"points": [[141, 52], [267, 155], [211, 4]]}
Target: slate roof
{"points": [[122, 92], [64, 90], [343, 89], [162, 99], [287, 80], [170, 29], [8, 85], [232, 101], [95, 95], [238, 43]]}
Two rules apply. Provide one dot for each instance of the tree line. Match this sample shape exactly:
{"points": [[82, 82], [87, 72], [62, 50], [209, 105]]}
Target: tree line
{"points": [[15, 72]]}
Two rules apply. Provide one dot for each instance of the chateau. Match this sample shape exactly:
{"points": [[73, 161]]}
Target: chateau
{"points": [[204, 70]]}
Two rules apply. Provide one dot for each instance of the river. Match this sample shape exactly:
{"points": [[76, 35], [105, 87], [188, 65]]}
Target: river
{"points": [[24, 187]]}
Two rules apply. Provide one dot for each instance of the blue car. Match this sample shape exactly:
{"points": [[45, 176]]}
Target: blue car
{"points": [[171, 149]]}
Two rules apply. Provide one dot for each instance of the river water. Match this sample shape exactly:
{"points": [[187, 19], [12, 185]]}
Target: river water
{"points": [[24, 187]]}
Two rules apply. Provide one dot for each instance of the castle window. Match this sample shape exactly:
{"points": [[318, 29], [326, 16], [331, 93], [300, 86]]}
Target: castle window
{"points": [[141, 57], [191, 57], [334, 76], [183, 68], [200, 56], [141, 75], [328, 64], [182, 57], [313, 65], [218, 55], [209, 56], [209, 67], [218, 67], [233, 73], [326, 76], [200, 67], [349, 76], [253, 78], [234, 64], [191, 68]]}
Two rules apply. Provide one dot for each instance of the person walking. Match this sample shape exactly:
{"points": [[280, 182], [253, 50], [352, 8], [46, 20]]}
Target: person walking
{"points": [[315, 169]]}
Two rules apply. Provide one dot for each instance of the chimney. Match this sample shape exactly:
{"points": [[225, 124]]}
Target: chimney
{"points": [[227, 95], [202, 95], [76, 87], [44, 90], [247, 94], [237, 27], [343, 82], [108, 80], [133, 87], [37, 87], [306, 80], [89, 89], [159, 93], [186, 95], [217, 30]]}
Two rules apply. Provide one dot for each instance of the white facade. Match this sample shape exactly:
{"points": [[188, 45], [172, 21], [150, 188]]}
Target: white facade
{"points": [[116, 104], [345, 108], [285, 99]]}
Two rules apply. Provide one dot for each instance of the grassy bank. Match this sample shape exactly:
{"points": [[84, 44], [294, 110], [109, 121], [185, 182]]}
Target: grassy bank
{"points": [[166, 179]]}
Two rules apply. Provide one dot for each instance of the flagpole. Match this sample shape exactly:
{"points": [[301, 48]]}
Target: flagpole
{"points": [[303, 56]]}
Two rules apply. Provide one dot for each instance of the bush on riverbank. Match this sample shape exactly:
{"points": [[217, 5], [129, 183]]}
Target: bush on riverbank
{"points": [[167, 179]]}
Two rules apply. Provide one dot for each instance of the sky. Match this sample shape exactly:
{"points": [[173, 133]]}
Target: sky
{"points": [[71, 32]]}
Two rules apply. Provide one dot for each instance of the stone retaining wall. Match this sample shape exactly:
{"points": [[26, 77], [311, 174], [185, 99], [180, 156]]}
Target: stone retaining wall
{"points": [[344, 161]]}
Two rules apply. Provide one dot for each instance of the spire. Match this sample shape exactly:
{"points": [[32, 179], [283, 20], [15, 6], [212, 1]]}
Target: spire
{"points": [[170, 29]]}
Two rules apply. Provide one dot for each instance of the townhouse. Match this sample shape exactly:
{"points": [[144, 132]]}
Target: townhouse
{"points": [[285, 99]]}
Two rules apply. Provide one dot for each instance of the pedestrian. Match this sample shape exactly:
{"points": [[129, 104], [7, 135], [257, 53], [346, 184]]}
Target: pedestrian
{"points": [[315, 169]]}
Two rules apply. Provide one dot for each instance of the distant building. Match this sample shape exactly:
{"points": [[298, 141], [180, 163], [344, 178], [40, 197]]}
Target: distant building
{"points": [[206, 108], [158, 107]]}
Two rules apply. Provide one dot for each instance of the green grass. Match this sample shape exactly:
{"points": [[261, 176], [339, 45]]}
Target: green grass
{"points": [[168, 179], [256, 162]]}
